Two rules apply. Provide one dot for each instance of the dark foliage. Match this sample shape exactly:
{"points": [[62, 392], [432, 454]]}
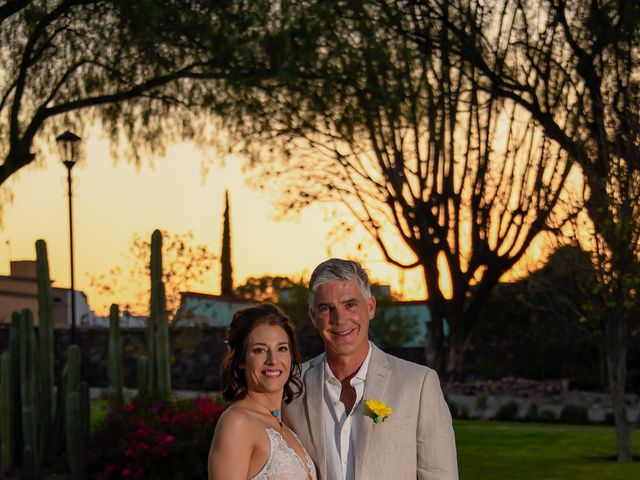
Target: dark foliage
{"points": [[156, 440]]}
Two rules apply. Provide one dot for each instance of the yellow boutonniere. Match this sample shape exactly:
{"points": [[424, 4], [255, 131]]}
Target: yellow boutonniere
{"points": [[379, 410]]}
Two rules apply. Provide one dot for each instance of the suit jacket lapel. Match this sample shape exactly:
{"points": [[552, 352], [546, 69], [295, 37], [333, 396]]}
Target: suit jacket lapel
{"points": [[314, 400], [374, 388]]}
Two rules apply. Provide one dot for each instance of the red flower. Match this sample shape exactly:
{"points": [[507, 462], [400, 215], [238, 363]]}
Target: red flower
{"points": [[149, 441]]}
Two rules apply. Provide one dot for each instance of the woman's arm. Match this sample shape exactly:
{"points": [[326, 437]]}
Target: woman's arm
{"points": [[231, 448]]}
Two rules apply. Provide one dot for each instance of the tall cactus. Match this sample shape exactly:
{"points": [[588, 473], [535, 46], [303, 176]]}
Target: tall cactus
{"points": [[143, 376], [159, 361], [75, 416], [163, 361], [115, 358], [29, 397], [155, 254], [59, 421], [85, 413], [7, 430], [45, 353], [14, 353]]}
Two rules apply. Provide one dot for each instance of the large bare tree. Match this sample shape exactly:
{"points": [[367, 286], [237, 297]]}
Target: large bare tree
{"points": [[574, 66], [402, 135]]}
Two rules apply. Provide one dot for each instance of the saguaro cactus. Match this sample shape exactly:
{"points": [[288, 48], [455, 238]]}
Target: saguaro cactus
{"points": [[115, 358], [7, 430], [155, 255], [59, 421], [14, 353], [75, 416], [45, 353], [159, 361], [143, 376], [85, 415], [28, 397], [163, 362]]}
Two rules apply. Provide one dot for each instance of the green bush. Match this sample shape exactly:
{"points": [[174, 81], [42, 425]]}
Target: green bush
{"points": [[547, 415], [532, 414], [535, 414], [464, 412], [574, 414], [147, 440], [482, 402], [508, 412]]}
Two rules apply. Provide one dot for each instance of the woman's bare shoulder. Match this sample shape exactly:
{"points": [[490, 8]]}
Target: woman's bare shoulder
{"points": [[235, 444], [235, 417]]}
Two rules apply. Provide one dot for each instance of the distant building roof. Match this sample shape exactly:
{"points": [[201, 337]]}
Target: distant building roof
{"points": [[23, 269], [19, 290], [126, 321], [206, 309]]}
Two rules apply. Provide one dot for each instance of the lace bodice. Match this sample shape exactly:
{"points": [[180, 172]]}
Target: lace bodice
{"points": [[284, 463]]}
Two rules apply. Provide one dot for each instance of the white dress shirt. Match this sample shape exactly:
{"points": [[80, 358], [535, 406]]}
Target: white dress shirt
{"points": [[340, 450]]}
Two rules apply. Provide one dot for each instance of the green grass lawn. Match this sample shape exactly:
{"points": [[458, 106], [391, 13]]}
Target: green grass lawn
{"points": [[522, 451], [99, 411]]}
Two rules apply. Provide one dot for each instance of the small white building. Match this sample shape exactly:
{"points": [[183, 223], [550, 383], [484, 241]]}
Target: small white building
{"points": [[202, 309], [126, 321]]}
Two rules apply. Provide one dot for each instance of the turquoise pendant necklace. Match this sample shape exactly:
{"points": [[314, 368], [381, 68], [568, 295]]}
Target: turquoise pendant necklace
{"points": [[276, 415]]}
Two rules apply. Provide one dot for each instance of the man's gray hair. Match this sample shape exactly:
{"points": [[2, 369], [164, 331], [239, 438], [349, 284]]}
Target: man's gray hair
{"points": [[338, 269]]}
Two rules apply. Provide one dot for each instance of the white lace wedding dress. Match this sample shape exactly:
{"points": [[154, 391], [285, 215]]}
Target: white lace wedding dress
{"points": [[284, 463]]}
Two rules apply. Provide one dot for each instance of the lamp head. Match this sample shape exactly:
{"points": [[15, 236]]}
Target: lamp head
{"points": [[69, 145]]}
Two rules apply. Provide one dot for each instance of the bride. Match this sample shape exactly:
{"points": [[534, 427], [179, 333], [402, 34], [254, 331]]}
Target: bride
{"points": [[260, 371]]}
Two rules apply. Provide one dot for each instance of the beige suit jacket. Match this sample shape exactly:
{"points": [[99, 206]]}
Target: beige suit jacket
{"points": [[415, 441]]}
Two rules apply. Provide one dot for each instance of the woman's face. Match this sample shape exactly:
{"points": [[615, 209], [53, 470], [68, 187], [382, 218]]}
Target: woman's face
{"points": [[267, 361]]}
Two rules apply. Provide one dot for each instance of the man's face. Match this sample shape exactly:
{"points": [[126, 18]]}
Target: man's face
{"points": [[341, 314]]}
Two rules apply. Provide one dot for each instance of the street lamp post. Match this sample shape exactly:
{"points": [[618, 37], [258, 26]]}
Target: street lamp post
{"points": [[69, 144]]}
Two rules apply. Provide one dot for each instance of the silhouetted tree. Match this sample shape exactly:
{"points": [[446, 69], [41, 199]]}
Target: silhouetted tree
{"points": [[408, 142], [268, 288], [184, 263], [291, 294], [537, 327], [574, 67]]}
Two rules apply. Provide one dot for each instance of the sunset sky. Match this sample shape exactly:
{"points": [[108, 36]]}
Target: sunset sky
{"points": [[112, 202]]}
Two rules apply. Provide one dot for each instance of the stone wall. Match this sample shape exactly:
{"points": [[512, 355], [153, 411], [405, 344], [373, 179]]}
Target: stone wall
{"points": [[196, 354]]}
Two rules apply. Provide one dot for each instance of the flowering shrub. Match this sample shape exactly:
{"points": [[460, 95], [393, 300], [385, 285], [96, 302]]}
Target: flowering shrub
{"points": [[156, 440]]}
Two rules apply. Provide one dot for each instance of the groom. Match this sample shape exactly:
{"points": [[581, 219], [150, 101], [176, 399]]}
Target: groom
{"points": [[341, 433]]}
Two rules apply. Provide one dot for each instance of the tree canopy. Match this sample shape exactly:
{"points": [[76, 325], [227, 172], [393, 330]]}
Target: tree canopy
{"points": [[575, 68], [139, 69]]}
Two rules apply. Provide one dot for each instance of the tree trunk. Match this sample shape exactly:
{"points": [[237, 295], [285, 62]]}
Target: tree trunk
{"points": [[616, 337], [434, 354], [456, 350], [446, 354]]}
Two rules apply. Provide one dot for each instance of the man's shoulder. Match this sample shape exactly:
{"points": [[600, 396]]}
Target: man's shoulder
{"points": [[305, 369], [311, 363]]}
